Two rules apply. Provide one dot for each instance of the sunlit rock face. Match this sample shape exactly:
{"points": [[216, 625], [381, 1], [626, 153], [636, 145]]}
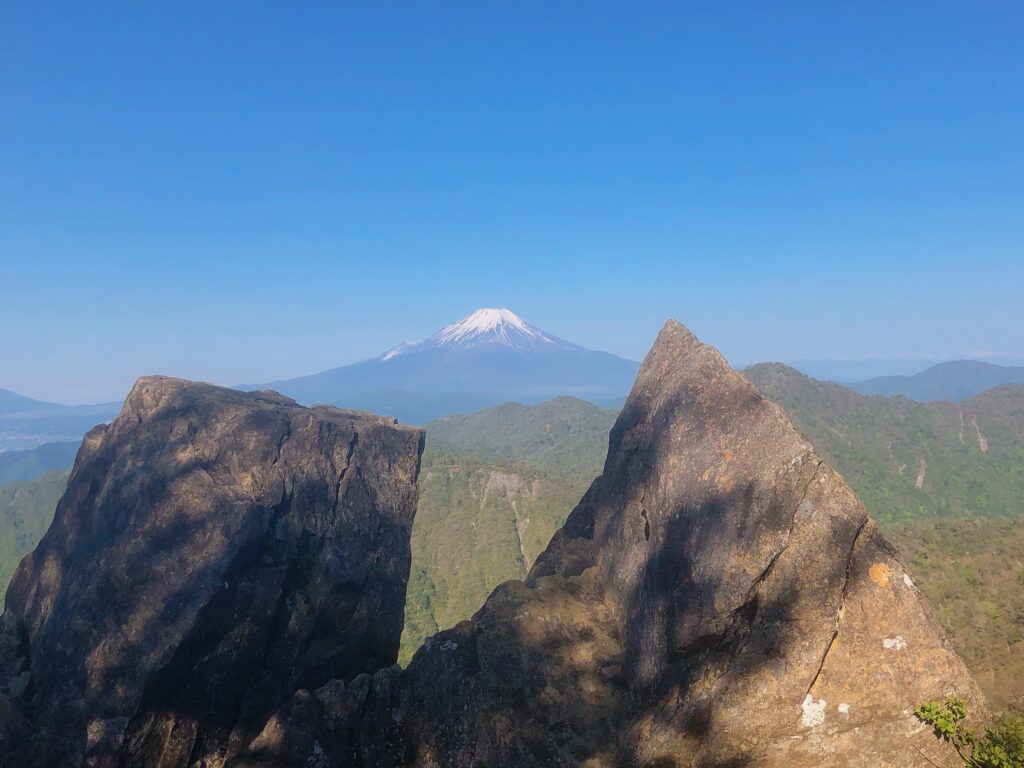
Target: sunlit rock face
{"points": [[215, 551], [718, 598], [764, 620]]}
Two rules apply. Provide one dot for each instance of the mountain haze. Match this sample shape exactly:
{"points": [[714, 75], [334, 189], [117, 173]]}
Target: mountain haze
{"points": [[26, 423], [12, 402], [955, 381], [486, 358]]}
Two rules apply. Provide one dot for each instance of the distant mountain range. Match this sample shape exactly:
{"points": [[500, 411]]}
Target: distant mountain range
{"points": [[954, 381], [12, 402], [845, 370], [490, 356], [26, 423]]}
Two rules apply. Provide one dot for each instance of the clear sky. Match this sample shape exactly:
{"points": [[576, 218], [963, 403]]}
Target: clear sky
{"points": [[245, 191]]}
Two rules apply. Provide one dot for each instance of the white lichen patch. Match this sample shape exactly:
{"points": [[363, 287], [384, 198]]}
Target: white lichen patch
{"points": [[908, 581], [844, 709], [813, 712], [894, 643], [449, 645]]}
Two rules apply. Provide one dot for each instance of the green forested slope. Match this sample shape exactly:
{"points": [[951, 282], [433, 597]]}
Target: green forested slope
{"points": [[494, 487], [26, 510], [479, 522], [563, 435], [972, 570], [909, 460], [21, 466]]}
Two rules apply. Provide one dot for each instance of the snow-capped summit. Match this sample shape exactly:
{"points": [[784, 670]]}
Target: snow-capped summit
{"points": [[487, 326], [487, 357], [501, 325]]}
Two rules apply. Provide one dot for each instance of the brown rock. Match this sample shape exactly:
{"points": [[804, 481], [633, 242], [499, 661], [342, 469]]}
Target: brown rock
{"points": [[718, 598], [215, 552]]}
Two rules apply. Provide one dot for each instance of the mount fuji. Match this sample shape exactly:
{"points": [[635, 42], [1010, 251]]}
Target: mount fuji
{"points": [[488, 357]]}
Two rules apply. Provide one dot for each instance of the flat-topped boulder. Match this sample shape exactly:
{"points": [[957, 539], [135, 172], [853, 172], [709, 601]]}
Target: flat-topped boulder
{"points": [[214, 552]]}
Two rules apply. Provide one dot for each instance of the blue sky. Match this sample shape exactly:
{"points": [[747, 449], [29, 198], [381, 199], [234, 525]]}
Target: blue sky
{"points": [[244, 191]]}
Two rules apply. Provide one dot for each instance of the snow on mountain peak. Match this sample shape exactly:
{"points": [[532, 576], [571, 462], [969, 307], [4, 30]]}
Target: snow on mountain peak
{"points": [[500, 324], [484, 326]]}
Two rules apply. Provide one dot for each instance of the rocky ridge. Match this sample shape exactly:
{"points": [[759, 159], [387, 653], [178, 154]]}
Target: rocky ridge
{"points": [[719, 597]]}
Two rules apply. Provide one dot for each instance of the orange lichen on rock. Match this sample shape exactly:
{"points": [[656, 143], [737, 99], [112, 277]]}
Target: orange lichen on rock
{"points": [[881, 574]]}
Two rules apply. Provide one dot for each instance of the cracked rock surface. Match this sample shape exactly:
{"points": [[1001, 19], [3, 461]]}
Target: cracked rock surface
{"points": [[718, 598], [215, 551]]}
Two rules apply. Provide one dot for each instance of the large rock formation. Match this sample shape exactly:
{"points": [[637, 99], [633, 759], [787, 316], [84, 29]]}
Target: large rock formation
{"points": [[215, 552], [215, 584], [718, 598]]}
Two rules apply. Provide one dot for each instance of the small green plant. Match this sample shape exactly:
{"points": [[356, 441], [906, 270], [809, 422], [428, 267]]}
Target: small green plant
{"points": [[1011, 730], [1000, 747]]}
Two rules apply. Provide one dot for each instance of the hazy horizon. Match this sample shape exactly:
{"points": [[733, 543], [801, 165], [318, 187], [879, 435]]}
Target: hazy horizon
{"points": [[837, 368]]}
